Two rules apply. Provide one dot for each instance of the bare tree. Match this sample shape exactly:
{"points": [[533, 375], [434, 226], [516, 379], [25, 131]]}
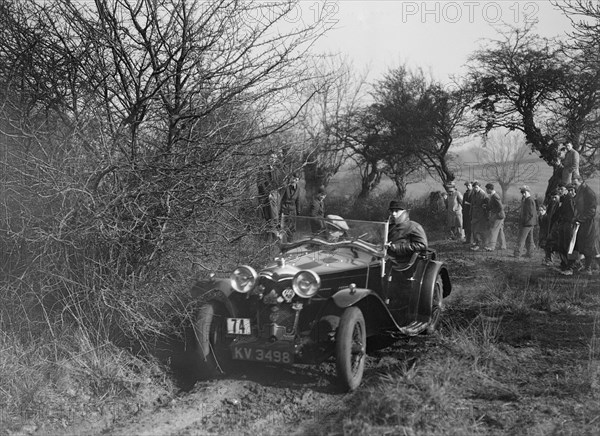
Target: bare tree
{"points": [[423, 118], [503, 157], [577, 109], [323, 126], [543, 87], [134, 129], [514, 78]]}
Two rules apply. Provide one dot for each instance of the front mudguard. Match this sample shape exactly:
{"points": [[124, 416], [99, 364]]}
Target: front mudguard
{"points": [[213, 289], [375, 311]]}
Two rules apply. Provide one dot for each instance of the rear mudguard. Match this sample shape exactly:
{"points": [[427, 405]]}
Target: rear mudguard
{"points": [[427, 286]]}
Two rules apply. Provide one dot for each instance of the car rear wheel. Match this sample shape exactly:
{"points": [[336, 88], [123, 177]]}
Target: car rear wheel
{"points": [[211, 342], [350, 348], [436, 306]]}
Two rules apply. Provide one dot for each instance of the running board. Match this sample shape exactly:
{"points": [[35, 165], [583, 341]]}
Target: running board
{"points": [[412, 329]]}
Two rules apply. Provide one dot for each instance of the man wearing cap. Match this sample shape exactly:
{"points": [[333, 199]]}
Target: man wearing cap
{"points": [[586, 203], [527, 221], [466, 212], [496, 217], [479, 223], [454, 219], [290, 204], [405, 237]]}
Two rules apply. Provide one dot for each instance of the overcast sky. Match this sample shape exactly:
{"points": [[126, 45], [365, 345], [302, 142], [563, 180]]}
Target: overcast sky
{"points": [[437, 36]]}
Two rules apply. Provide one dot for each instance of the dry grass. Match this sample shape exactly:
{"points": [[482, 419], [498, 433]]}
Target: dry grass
{"points": [[509, 359], [65, 376]]}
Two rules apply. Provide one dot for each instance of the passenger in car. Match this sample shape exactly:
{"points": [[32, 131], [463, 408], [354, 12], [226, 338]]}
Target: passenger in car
{"points": [[405, 237], [336, 227]]}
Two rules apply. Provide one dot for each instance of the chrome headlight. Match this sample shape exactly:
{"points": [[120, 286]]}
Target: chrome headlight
{"points": [[243, 279], [306, 283]]}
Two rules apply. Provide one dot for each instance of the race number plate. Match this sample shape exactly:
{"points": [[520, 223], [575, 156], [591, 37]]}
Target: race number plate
{"points": [[238, 326], [256, 354]]}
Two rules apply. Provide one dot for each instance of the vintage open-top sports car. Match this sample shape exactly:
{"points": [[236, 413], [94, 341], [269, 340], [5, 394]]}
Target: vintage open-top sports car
{"points": [[331, 288]]}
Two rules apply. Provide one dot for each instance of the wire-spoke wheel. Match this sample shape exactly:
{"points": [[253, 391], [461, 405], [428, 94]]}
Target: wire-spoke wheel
{"points": [[350, 348]]}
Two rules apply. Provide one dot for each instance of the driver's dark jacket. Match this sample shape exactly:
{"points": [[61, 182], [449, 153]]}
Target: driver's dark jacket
{"points": [[405, 239]]}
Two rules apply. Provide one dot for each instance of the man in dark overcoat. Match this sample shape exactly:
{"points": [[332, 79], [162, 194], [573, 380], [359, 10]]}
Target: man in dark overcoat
{"points": [[551, 236], [466, 211], [405, 237], [317, 211], [479, 217], [527, 222], [566, 214], [290, 204], [586, 203], [268, 183]]}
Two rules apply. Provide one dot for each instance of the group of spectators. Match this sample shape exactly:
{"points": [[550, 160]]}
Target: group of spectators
{"points": [[567, 225], [279, 195], [476, 217]]}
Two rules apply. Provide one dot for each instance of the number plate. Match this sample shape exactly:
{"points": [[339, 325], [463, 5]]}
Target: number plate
{"points": [[238, 326], [240, 352]]}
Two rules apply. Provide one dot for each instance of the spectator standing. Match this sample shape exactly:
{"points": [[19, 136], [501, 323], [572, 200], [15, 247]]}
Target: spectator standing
{"points": [[527, 221], [466, 212], [570, 163], [496, 216], [290, 204], [566, 215], [317, 211], [479, 222], [586, 203], [268, 184], [550, 242], [544, 225], [454, 219]]}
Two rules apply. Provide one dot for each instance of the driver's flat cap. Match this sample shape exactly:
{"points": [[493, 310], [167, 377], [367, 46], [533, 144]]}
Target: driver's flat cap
{"points": [[395, 205]]}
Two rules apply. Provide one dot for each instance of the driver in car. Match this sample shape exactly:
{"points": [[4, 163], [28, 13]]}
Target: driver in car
{"points": [[405, 237]]}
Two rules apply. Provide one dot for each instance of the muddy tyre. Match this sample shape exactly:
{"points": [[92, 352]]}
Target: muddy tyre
{"points": [[211, 343], [436, 306], [350, 348]]}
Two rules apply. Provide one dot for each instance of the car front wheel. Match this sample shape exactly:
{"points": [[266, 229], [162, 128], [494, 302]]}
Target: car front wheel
{"points": [[211, 342], [350, 348]]}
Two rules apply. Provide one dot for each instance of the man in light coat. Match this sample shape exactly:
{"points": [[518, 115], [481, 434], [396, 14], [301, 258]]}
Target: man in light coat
{"points": [[570, 163], [454, 216], [496, 218]]}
